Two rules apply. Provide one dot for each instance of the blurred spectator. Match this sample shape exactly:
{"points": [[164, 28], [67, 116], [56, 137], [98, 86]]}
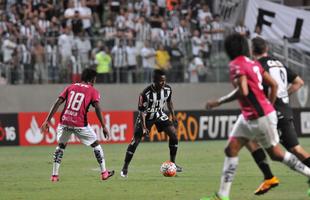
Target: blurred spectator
{"points": [[196, 69], [109, 31], [165, 35], [132, 54], [148, 61], [183, 35], [202, 14], [65, 45], [77, 23], [242, 29], [217, 35], [103, 65], [43, 23], [119, 56], [54, 29], [162, 7], [40, 69], [143, 33], [177, 66], [83, 47], [162, 59], [155, 21], [69, 12], [196, 43], [86, 16], [52, 60], [96, 7], [8, 47], [25, 60]]}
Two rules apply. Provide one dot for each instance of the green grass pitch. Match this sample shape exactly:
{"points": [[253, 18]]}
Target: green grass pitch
{"points": [[25, 173]]}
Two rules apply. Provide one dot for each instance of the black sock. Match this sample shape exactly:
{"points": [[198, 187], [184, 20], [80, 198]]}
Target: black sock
{"points": [[306, 162], [261, 160], [129, 154], [173, 147]]}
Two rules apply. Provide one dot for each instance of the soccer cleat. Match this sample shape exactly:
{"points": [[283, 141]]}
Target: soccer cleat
{"points": [[215, 197], [107, 174], [54, 178], [179, 169], [124, 173], [267, 185]]}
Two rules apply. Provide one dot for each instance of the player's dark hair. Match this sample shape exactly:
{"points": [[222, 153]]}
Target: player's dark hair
{"points": [[88, 74], [236, 45], [158, 73], [259, 45]]}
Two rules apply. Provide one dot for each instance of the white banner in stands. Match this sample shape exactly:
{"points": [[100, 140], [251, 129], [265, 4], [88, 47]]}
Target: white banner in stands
{"points": [[231, 11], [277, 22]]}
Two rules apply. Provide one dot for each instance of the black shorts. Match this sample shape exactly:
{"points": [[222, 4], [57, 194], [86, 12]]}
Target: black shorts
{"points": [[287, 131], [160, 125]]}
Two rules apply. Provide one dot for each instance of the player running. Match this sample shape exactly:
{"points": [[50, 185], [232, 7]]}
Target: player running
{"points": [[73, 120], [258, 120], [288, 83], [152, 101]]}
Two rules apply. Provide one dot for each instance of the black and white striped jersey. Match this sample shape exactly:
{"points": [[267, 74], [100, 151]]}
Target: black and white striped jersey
{"points": [[283, 76], [153, 102]]}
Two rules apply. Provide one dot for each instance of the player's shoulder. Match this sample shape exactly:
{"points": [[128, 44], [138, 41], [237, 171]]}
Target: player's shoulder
{"points": [[148, 89], [168, 87]]}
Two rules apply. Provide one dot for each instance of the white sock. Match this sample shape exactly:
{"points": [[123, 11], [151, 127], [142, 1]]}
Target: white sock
{"points": [[229, 171], [292, 161], [58, 154], [100, 157]]}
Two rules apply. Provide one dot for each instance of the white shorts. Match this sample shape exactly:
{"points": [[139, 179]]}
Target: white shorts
{"points": [[263, 130], [85, 134]]}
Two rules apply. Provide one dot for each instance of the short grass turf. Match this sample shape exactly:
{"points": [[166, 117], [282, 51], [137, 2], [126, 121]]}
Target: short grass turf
{"points": [[25, 173]]}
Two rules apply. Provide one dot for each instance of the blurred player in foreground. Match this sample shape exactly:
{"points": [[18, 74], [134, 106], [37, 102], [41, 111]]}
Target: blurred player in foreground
{"points": [[73, 120], [258, 120], [152, 101], [288, 83]]}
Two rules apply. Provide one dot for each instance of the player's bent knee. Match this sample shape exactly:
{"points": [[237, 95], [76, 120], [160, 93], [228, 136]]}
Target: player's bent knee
{"points": [[231, 152]]}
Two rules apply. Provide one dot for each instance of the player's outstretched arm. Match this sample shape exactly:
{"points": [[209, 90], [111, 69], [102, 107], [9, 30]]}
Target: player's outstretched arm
{"points": [[224, 99], [295, 85], [273, 86], [45, 125], [100, 118]]}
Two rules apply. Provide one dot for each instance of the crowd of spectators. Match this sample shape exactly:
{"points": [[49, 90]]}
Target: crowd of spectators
{"points": [[52, 41]]}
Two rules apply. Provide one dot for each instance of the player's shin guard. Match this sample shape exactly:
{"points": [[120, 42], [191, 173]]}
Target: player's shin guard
{"points": [[173, 147], [229, 171], [261, 161], [293, 162], [58, 154], [100, 157]]}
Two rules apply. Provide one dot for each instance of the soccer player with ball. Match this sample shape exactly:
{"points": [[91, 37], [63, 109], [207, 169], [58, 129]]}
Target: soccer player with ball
{"points": [[152, 101]]}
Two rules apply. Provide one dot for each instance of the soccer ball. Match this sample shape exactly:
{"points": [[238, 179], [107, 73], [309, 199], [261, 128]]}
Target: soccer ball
{"points": [[168, 169]]}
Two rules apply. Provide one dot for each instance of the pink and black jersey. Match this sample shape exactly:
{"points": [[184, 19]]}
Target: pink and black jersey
{"points": [[256, 104], [79, 97]]}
